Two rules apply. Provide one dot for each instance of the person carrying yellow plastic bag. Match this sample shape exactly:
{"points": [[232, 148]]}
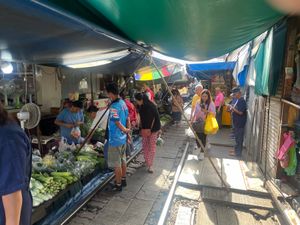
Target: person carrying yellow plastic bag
{"points": [[203, 108], [211, 125]]}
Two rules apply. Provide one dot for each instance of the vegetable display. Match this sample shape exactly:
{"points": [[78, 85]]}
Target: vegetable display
{"points": [[99, 133], [164, 119], [54, 172]]}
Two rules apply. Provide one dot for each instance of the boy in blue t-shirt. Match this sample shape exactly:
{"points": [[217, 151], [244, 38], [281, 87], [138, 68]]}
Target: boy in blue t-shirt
{"points": [[118, 130]]}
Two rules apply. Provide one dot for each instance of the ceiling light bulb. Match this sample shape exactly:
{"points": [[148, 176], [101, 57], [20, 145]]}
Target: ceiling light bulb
{"points": [[7, 67]]}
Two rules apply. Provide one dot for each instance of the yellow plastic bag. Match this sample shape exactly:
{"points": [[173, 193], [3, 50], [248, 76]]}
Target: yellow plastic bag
{"points": [[211, 125]]}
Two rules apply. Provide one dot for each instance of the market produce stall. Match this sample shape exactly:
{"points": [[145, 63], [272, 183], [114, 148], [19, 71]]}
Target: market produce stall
{"points": [[63, 181]]}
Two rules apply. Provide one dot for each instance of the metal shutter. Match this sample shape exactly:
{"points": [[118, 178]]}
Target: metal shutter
{"points": [[273, 139], [254, 126], [264, 145]]}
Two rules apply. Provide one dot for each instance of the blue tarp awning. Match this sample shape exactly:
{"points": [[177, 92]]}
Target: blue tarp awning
{"points": [[200, 67], [34, 34]]}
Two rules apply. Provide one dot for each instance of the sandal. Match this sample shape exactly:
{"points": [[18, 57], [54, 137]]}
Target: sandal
{"points": [[150, 170], [232, 154]]}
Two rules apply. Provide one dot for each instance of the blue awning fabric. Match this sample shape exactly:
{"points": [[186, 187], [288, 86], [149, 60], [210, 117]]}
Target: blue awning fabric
{"points": [[211, 66], [33, 34]]}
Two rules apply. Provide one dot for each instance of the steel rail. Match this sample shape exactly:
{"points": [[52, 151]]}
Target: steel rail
{"points": [[164, 212]]}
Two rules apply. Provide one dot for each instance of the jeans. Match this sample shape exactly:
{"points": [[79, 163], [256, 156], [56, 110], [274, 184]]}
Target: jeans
{"points": [[239, 139], [202, 138], [219, 117], [176, 116]]}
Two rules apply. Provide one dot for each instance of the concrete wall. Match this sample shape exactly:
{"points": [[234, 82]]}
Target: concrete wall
{"points": [[48, 89]]}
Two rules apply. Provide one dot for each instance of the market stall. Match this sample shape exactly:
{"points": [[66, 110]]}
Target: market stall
{"points": [[63, 178], [216, 75]]}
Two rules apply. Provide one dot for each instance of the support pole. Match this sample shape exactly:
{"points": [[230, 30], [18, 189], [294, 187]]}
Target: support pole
{"points": [[190, 125], [91, 133]]}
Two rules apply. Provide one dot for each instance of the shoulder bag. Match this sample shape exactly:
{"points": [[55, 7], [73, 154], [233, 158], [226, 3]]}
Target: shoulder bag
{"points": [[199, 124]]}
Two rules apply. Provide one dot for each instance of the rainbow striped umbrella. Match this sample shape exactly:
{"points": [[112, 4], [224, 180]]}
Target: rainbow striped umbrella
{"points": [[150, 73]]}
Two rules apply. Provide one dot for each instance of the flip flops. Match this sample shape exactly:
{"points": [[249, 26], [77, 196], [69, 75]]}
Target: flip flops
{"points": [[232, 153]]}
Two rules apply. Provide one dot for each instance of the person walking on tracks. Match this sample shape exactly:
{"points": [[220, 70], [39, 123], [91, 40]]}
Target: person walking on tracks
{"points": [[203, 107], [118, 129], [177, 106], [150, 124], [196, 98], [239, 117]]}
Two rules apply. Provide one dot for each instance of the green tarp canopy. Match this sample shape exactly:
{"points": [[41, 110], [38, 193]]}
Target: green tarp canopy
{"points": [[191, 30]]}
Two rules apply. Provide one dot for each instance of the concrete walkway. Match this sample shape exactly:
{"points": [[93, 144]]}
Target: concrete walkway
{"points": [[142, 200]]}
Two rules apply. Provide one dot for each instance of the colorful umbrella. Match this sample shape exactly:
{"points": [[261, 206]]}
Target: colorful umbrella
{"points": [[150, 73]]}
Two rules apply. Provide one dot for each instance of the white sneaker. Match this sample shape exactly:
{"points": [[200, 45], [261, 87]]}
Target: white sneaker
{"points": [[201, 156], [208, 146]]}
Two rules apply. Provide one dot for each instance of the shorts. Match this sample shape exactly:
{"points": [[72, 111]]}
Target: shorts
{"points": [[116, 156], [176, 116]]}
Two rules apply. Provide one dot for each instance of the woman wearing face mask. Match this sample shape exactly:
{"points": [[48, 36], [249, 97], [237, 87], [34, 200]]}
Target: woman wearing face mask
{"points": [[202, 109], [15, 172], [150, 124]]}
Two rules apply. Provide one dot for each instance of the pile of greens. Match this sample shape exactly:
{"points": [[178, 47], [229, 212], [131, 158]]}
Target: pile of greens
{"points": [[54, 173], [165, 119]]}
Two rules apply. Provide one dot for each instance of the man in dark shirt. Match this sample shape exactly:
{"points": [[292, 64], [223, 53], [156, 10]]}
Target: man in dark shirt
{"points": [[239, 117]]}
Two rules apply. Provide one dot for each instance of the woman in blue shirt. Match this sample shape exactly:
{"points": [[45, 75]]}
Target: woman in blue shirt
{"points": [[70, 119], [15, 172]]}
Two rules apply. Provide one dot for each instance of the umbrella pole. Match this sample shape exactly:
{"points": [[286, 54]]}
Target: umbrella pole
{"points": [[190, 125]]}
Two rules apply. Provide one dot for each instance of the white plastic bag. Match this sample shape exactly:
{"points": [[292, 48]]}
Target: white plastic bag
{"points": [[76, 133], [160, 142]]}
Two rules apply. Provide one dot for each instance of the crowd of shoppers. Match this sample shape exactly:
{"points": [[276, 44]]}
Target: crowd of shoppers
{"points": [[202, 105]]}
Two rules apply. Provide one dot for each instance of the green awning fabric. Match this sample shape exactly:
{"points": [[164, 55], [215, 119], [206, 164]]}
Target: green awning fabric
{"points": [[262, 63], [191, 30], [277, 62]]}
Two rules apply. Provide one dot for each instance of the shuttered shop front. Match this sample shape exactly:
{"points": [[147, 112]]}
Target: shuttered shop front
{"points": [[271, 137]]}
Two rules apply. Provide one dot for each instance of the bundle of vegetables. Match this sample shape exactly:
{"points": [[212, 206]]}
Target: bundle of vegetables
{"points": [[50, 185], [65, 161], [90, 155], [165, 119], [86, 161], [46, 165], [38, 192], [85, 128], [44, 187], [49, 160], [99, 134], [83, 168], [64, 178]]}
